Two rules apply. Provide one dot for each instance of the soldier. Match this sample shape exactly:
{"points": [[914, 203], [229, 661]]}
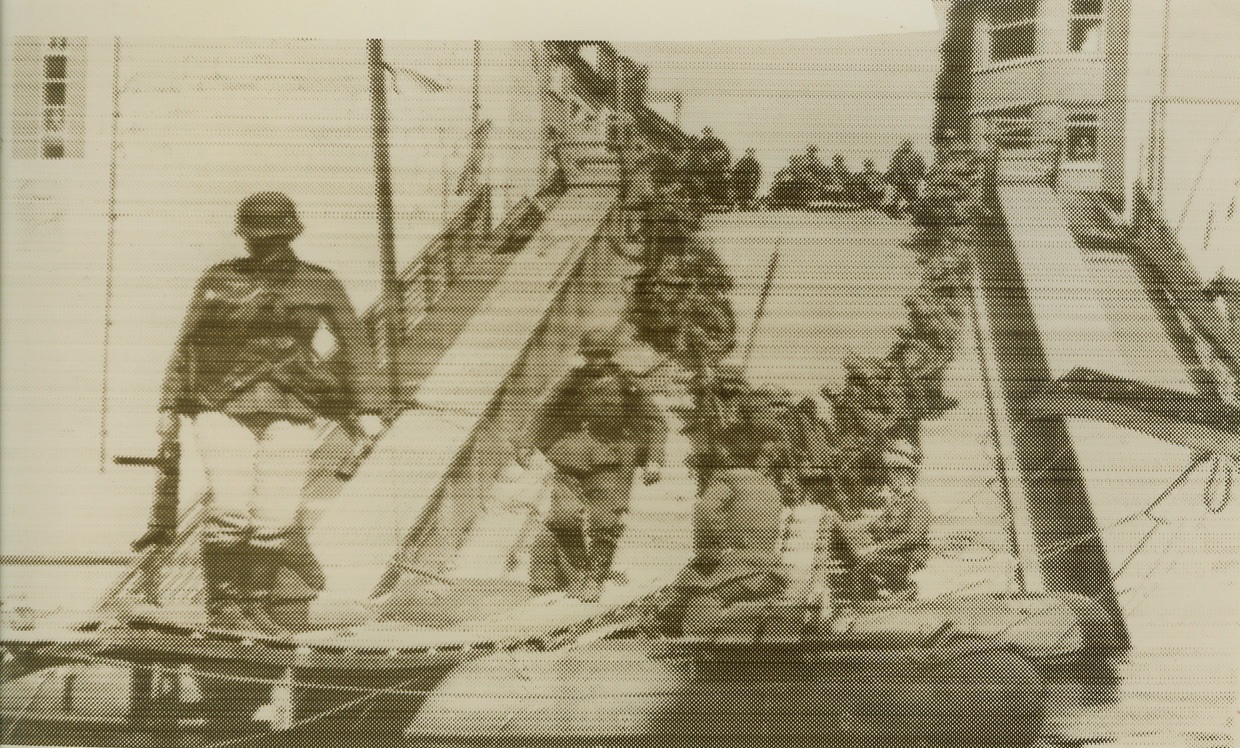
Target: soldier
{"points": [[840, 173], [890, 541], [953, 198], [746, 176], [667, 225], [717, 398], [715, 161], [736, 540], [819, 465], [663, 174], [773, 424], [260, 398], [701, 264], [656, 307], [596, 428], [923, 365], [691, 168], [706, 328], [870, 183], [905, 174], [812, 174]]}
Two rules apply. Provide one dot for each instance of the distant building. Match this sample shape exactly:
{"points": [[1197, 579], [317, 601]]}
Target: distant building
{"points": [[1136, 101]]}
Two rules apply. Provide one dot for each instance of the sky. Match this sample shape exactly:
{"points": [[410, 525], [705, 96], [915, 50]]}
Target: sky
{"points": [[860, 97]]}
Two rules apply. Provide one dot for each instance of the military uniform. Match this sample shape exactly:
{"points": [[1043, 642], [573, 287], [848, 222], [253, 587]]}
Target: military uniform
{"points": [[246, 345], [905, 174], [746, 176], [597, 427], [888, 543], [707, 329], [952, 201], [260, 399], [716, 414], [813, 451], [871, 184], [736, 538], [715, 160]]}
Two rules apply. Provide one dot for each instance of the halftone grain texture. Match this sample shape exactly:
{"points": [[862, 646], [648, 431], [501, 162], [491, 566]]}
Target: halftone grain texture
{"points": [[917, 428]]}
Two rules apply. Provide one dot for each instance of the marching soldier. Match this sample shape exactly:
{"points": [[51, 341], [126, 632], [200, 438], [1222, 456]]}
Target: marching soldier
{"points": [[706, 328], [717, 395], [713, 160], [952, 202], [812, 173], [840, 173], [692, 169], [769, 410], [818, 467], [870, 183], [259, 399], [597, 427]]}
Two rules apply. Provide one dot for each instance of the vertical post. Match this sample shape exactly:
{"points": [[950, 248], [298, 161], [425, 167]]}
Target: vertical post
{"points": [[390, 327], [477, 85], [111, 261], [1158, 152], [1029, 578], [622, 141]]}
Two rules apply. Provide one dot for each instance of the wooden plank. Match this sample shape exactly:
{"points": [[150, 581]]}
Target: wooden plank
{"points": [[466, 379]]}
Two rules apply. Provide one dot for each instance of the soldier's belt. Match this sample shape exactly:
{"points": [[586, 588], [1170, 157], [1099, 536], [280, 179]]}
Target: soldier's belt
{"points": [[239, 380]]}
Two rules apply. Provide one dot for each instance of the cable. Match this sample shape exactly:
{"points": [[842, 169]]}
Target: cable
{"points": [[1227, 470], [312, 718]]}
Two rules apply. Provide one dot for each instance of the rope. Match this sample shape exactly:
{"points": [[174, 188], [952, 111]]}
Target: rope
{"points": [[1222, 464], [567, 634], [562, 637]]}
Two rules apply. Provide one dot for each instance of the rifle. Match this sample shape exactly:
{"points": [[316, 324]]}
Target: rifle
{"points": [[162, 523], [348, 465]]}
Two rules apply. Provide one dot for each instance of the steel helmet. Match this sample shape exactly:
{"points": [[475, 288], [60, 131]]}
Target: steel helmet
{"points": [[267, 214], [598, 341]]}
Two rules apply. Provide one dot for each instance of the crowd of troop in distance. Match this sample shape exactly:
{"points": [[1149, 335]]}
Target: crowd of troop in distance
{"points": [[710, 179], [758, 449], [807, 180]]}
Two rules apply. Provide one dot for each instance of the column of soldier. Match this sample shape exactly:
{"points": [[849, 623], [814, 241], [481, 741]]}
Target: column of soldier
{"points": [[758, 447], [679, 304]]}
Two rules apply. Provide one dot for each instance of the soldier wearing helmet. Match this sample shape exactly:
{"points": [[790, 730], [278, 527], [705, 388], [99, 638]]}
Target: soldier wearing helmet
{"points": [[596, 428], [259, 397], [736, 562], [904, 174], [746, 175], [890, 540], [718, 394]]}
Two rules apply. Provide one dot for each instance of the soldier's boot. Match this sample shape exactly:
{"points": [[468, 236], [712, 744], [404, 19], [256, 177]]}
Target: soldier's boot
{"points": [[574, 561], [223, 575], [602, 551], [546, 569], [265, 562]]}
